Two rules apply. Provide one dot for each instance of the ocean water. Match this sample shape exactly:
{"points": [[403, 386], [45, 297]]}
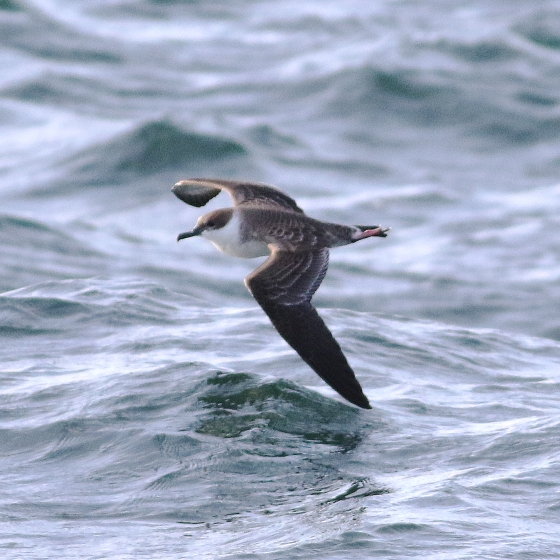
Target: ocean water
{"points": [[148, 407]]}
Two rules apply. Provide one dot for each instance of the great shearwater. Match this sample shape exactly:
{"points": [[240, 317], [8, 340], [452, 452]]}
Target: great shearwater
{"points": [[265, 221]]}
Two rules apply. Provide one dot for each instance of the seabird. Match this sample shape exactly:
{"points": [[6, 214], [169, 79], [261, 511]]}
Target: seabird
{"points": [[264, 221]]}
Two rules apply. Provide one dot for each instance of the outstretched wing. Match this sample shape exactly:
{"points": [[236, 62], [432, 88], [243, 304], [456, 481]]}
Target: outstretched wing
{"points": [[197, 192], [283, 286]]}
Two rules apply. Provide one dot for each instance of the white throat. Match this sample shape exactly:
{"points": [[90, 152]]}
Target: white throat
{"points": [[228, 240]]}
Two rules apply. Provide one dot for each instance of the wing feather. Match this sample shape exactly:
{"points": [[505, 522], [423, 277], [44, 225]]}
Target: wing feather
{"points": [[283, 286], [197, 192]]}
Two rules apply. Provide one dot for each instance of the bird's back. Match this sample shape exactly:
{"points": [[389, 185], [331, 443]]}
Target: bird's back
{"points": [[290, 231]]}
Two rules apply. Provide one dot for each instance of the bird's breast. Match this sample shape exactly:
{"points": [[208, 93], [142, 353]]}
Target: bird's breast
{"points": [[229, 240]]}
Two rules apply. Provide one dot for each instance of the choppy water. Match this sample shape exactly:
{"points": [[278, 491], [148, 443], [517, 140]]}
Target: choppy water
{"points": [[149, 410]]}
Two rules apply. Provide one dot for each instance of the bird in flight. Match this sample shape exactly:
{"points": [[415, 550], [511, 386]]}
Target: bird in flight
{"points": [[264, 221]]}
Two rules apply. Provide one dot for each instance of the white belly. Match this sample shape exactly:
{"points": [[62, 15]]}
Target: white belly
{"points": [[228, 241]]}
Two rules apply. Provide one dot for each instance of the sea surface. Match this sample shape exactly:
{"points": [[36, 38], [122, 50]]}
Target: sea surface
{"points": [[148, 409]]}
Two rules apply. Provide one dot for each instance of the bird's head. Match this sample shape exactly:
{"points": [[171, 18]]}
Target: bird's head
{"points": [[214, 220]]}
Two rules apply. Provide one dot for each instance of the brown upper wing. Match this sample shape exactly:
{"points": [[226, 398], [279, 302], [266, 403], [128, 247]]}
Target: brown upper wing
{"points": [[197, 192]]}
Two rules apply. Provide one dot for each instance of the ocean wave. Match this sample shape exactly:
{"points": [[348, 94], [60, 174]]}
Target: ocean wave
{"points": [[149, 406], [57, 254], [151, 148], [126, 401]]}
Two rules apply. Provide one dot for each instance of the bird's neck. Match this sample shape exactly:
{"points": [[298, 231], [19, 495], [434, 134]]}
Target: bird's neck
{"points": [[229, 240]]}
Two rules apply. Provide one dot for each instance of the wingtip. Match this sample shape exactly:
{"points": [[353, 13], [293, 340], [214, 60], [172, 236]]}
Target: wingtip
{"points": [[179, 184], [195, 192], [361, 401]]}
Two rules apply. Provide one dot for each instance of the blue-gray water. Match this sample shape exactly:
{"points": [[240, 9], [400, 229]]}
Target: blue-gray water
{"points": [[149, 410]]}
